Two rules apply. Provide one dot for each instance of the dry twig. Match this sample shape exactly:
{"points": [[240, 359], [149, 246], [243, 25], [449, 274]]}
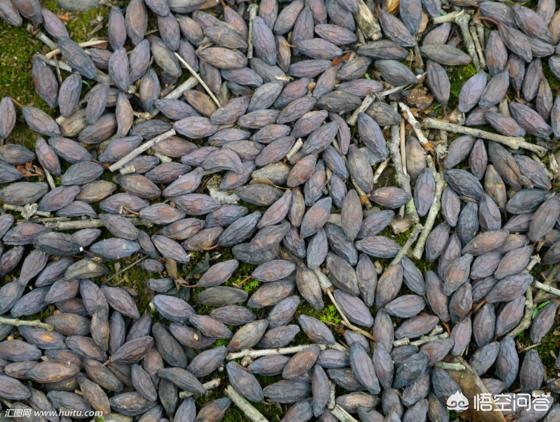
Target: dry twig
{"points": [[514, 142]]}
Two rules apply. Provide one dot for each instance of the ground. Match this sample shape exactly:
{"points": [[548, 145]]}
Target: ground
{"points": [[17, 46]]}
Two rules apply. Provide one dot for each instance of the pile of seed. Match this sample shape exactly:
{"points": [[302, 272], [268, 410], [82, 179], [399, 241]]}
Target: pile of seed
{"points": [[267, 136]]}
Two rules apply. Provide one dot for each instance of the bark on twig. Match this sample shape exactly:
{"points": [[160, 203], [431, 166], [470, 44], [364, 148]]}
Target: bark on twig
{"points": [[210, 385], [91, 43], [409, 242], [26, 323], [546, 288], [432, 214], [243, 404], [342, 415], [478, 47], [401, 176], [424, 339], [513, 142], [280, 351], [409, 117], [252, 14], [200, 80], [26, 211], [379, 170], [144, 147], [345, 320], [463, 22], [451, 366], [527, 316], [450, 17]]}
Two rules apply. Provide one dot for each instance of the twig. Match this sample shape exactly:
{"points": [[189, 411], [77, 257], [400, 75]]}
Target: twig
{"points": [[370, 99], [41, 36], [406, 247], [181, 89], [367, 101], [295, 148], [463, 22], [478, 47], [450, 17], [424, 339], [144, 147], [74, 225], [250, 412], [364, 199], [345, 320], [280, 351], [546, 288], [26, 211], [200, 80], [91, 43], [514, 142], [401, 176], [252, 14], [342, 415], [214, 383], [407, 114], [451, 366], [527, 316], [49, 178], [379, 170], [23, 322], [432, 214]]}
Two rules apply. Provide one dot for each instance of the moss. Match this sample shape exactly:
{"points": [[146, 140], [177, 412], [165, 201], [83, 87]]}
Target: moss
{"points": [[329, 315], [457, 77], [136, 279]]}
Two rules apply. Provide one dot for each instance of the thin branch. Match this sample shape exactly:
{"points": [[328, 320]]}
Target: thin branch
{"points": [[250, 412], [409, 242], [451, 366], [345, 320], [450, 17], [478, 47], [342, 415], [463, 22], [210, 385], [527, 316], [432, 214], [200, 80], [514, 142], [379, 170], [252, 14], [74, 225], [49, 178], [433, 335], [546, 288], [407, 114], [270, 352], [27, 211], [144, 147], [401, 177], [26, 323], [91, 43], [294, 150]]}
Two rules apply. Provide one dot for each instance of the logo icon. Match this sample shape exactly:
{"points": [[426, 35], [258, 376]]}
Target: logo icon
{"points": [[457, 402]]}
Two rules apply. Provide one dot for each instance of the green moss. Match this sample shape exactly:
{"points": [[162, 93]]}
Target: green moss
{"points": [[457, 77], [329, 315], [135, 278]]}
